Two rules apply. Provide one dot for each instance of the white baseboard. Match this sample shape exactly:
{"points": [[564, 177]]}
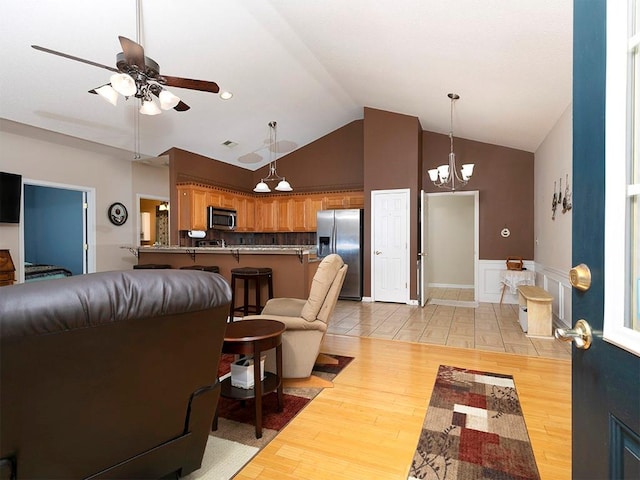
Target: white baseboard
{"points": [[448, 285]]}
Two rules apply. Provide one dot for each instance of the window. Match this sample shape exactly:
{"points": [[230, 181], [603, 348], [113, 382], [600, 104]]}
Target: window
{"points": [[622, 198]]}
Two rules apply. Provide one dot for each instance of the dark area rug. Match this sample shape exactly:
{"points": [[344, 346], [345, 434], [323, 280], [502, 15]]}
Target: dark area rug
{"points": [[235, 418], [473, 429]]}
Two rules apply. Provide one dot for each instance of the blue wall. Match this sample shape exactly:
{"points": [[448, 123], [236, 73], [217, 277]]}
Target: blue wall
{"points": [[53, 227]]}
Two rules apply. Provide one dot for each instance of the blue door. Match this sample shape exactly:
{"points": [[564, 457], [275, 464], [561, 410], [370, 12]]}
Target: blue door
{"points": [[606, 378]]}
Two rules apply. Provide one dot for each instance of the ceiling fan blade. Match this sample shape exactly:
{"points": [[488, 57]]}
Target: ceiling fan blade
{"points": [[181, 107], [133, 52], [201, 85], [71, 57]]}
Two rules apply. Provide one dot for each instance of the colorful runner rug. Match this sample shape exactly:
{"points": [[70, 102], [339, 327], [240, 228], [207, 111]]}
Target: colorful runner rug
{"points": [[473, 429]]}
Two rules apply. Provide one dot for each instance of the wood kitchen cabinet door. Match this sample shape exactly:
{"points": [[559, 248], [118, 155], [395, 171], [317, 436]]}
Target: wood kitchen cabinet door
{"points": [[192, 208], [312, 206], [267, 215], [246, 213], [298, 214], [285, 208]]}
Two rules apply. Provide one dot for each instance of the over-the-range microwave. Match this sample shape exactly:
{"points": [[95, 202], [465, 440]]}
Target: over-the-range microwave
{"points": [[221, 218]]}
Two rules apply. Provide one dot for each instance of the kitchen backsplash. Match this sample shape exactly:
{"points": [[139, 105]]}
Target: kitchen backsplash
{"points": [[246, 238]]}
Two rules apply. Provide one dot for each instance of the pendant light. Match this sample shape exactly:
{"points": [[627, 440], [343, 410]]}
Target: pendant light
{"points": [[283, 185]]}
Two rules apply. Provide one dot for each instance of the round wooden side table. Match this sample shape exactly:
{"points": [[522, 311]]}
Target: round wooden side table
{"points": [[251, 337]]}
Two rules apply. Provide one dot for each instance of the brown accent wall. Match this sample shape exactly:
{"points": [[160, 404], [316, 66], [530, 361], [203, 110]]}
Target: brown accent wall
{"points": [[332, 162], [504, 177], [391, 160]]}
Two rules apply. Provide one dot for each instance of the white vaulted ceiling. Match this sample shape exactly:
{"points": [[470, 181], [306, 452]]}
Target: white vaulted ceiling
{"points": [[310, 65]]}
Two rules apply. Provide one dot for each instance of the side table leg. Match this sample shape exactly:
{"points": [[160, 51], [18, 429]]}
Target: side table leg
{"points": [[257, 391], [279, 373]]}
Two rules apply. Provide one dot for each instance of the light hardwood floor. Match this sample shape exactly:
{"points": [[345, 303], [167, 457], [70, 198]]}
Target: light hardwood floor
{"points": [[368, 425]]}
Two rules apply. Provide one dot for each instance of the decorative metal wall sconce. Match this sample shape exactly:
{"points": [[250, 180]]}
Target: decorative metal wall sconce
{"points": [[566, 201], [558, 199], [554, 203]]}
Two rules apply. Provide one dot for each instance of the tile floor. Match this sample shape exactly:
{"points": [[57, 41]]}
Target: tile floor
{"points": [[490, 326]]}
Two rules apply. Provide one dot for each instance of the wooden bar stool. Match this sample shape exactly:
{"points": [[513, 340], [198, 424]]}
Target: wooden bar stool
{"points": [[247, 274], [206, 268]]}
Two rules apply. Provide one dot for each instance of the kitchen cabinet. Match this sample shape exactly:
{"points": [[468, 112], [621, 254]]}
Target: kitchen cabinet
{"points": [[258, 213], [267, 212], [284, 214], [192, 207], [298, 214], [343, 200], [312, 206], [245, 207]]}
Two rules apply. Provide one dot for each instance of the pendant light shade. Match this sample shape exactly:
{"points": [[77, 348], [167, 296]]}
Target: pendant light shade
{"points": [[123, 84], [262, 187], [284, 186], [168, 100], [149, 107], [108, 93]]}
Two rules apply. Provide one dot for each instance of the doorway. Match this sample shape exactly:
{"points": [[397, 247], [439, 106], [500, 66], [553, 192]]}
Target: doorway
{"points": [[153, 220], [451, 237], [58, 226]]}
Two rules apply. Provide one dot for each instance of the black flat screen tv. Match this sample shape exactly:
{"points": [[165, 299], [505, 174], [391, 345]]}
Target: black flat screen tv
{"points": [[10, 194]]}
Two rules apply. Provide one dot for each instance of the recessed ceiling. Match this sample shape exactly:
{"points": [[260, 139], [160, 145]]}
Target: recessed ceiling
{"points": [[310, 66]]}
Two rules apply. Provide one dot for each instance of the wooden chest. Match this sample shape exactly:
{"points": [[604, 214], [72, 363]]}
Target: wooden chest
{"points": [[7, 269]]}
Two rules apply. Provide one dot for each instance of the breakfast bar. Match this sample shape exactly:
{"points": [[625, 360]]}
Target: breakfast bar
{"points": [[293, 265]]}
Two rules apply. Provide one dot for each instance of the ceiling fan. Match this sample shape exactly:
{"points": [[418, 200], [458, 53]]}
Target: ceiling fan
{"points": [[139, 76]]}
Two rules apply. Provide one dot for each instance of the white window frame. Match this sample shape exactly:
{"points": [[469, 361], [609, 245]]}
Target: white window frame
{"points": [[617, 134]]}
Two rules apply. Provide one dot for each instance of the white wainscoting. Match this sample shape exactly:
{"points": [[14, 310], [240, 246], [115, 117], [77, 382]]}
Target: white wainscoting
{"points": [[556, 282], [553, 281]]}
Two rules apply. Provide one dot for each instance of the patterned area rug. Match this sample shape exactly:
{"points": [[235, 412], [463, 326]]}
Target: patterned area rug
{"points": [[473, 429], [234, 443]]}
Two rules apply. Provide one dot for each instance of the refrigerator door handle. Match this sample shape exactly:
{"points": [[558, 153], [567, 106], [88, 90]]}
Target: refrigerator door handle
{"points": [[334, 234]]}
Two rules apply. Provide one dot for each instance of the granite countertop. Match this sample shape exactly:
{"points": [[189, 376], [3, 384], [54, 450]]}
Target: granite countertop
{"points": [[270, 249]]}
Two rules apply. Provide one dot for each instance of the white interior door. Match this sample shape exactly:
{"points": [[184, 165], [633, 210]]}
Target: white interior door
{"points": [[390, 245], [423, 255]]}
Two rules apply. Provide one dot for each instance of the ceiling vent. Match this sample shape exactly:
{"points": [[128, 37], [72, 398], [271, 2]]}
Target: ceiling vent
{"points": [[230, 143]]}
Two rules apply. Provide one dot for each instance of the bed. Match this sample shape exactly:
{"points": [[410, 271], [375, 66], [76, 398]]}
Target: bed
{"points": [[34, 272]]}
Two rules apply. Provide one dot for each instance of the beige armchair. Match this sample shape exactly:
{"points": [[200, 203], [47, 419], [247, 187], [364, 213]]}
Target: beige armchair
{"points": [[306, 320]]}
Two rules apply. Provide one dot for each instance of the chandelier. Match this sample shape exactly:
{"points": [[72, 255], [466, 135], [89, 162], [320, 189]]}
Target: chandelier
{"points": [[283, 185], [445, 176]]}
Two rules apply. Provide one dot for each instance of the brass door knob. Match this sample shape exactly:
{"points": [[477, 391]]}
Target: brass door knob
{"points": [[580, 277], [580, 334]]}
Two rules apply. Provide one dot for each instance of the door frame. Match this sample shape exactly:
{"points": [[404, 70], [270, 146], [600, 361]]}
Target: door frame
{"points": [[476, 235], [140, 196], [89, 222], [407, 193]]}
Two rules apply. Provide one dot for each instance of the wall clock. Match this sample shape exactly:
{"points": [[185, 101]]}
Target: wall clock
{"points": [[117, 213]]}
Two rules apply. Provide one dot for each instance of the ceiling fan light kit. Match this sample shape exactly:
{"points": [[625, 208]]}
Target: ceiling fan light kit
{"points": [[123, 84], [168, 100], [136, 75], [445, 176], [283, 185], [149, 107], [108, 93]]}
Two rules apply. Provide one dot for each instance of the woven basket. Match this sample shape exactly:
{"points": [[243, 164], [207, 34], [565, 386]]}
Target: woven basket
{"points": [[514, 263]]}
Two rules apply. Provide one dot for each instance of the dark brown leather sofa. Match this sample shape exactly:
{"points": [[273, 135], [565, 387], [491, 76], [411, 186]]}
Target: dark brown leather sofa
{"points": [[110, 375]]}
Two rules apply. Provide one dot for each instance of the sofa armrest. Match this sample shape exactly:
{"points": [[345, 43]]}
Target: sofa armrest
{"points": [[291, 323], [286, 307]]}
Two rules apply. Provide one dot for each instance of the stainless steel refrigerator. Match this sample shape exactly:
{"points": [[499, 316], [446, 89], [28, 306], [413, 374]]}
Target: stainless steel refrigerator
{"points": [[340, 231]]}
